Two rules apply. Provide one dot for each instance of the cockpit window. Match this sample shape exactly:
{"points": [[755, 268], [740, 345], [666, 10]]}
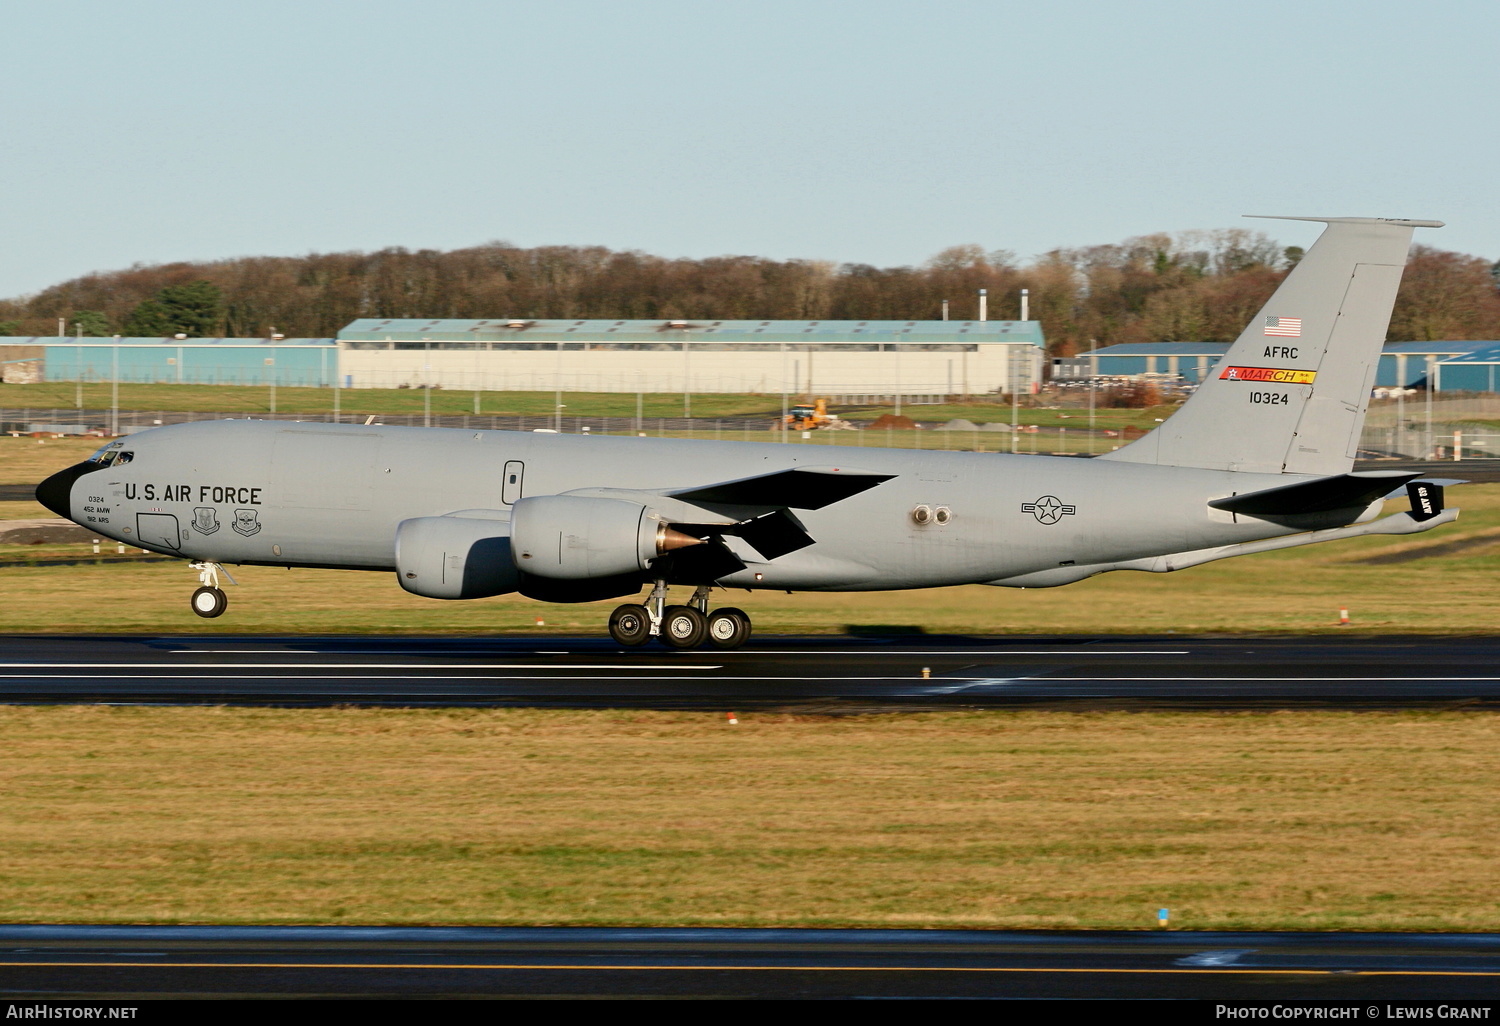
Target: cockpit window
{"points": [[124, 457], [107, 455]]}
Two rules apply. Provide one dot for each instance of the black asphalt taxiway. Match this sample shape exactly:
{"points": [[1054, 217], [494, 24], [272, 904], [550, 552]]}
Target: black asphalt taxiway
{"points": [[852, 673], [833, 675], [132, 963]]}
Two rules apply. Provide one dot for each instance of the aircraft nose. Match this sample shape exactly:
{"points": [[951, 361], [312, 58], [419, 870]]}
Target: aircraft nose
{"points": [[56, 492]]}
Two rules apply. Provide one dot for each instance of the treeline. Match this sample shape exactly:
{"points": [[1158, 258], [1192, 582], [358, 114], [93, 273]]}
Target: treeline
{"points": [[1191, 286]]}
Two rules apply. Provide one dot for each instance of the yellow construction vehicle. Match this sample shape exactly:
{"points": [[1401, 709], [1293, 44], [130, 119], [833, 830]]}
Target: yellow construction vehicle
{"points": [[805, 416]]}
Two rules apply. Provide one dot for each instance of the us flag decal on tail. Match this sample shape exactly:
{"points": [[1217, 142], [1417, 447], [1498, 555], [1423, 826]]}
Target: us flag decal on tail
{"points": [[1285, 327]]}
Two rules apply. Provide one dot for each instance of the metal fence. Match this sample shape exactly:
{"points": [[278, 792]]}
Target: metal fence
{"points": [[929, 434], [1457, 429]]}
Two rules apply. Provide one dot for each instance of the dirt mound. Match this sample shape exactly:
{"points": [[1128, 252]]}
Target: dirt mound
{"points": [[890, 420]]}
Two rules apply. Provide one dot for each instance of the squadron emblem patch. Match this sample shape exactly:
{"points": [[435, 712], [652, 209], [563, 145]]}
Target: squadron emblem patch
{"points": [[246, 522]]}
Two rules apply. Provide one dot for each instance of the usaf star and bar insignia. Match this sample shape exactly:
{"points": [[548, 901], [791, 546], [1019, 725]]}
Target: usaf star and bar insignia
{"points": [[1049, 509]]}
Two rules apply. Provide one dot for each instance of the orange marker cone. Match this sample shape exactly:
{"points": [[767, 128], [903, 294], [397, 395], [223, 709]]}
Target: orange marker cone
{"points": [[1343, 616], [734, 721]]}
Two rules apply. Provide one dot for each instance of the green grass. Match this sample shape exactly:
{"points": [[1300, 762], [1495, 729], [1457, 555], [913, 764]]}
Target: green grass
{"points": [[1049, 417], [243, 399], [997, 819], [246, 400]]}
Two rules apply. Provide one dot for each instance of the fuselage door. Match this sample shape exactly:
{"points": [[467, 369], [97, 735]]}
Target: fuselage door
{"points": [[510, 490], [157, 530]]}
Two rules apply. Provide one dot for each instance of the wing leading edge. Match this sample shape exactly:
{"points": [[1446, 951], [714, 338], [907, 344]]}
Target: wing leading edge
{"points": [[799, 488]]}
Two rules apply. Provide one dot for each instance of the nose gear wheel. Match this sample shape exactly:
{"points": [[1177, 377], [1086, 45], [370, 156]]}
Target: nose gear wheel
{"points": [[209, 602]]}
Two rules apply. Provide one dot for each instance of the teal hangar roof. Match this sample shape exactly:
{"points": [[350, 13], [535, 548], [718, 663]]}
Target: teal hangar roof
{"points": [[672, 332]]}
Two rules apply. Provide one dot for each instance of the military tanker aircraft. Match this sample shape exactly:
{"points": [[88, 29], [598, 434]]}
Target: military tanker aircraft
{"points": [[1260, 457]]}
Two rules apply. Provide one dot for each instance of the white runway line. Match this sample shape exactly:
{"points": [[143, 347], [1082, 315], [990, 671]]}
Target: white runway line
{"points": [[945, 652], [360, 666], [906, 678], [1351, 680], [763, 651], [244, 651]]}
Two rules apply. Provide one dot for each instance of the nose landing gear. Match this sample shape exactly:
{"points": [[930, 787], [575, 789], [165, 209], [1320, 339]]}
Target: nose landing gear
{"points": [[209, 600], [679, 626]]}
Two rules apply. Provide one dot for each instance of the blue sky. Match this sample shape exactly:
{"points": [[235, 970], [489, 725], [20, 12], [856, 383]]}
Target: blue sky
{"points": [[879, 131]]}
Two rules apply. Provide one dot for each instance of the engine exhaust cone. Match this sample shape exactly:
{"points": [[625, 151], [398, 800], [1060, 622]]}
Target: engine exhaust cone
{"points": [[669, 539]]}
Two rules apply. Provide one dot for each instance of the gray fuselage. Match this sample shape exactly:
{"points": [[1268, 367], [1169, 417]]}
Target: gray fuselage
{"points": [[322, 495]]}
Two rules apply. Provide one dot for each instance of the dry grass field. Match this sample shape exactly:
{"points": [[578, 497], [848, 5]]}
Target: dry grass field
{"points": [[1262, 594], [25, 461], [1306, 820], [1312, 820]]}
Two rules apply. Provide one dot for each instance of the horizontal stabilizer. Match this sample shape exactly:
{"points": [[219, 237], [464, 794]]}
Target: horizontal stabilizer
{"points": [[1342, 491], [1404, 222], [802, 488]]}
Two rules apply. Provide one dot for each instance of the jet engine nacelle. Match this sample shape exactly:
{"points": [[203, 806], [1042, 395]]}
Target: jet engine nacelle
{"points": [[575, 537], [455, 557]]}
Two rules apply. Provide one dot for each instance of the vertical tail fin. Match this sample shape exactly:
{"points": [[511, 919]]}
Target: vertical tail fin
{"points": [[1291, 393]]}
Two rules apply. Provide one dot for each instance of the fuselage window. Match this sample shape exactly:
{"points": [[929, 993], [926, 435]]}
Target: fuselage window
{"points": [[511, 484]]}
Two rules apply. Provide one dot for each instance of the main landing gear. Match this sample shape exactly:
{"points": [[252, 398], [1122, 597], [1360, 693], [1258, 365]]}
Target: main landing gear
{"points": [[209, 600], [679, 626]]}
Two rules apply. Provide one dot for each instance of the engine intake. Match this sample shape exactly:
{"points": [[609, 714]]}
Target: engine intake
{"points": [[455, 558]]}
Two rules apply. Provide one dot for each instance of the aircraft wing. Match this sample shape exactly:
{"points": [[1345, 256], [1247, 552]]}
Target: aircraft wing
{"points": [[800, 488]]}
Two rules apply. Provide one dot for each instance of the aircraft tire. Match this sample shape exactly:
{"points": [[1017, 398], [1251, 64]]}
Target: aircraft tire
{"points": [[728, 628], [209, 602], [683, 627], [630, 625]]}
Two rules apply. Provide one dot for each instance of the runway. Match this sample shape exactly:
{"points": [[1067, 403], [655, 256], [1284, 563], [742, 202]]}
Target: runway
{"points": [[142, 962], [821, 673]]}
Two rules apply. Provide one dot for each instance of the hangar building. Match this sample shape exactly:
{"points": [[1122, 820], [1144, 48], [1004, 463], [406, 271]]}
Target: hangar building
{"points": [[197, 361], [832, 358], [1473, 371], [1402, 363]]}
